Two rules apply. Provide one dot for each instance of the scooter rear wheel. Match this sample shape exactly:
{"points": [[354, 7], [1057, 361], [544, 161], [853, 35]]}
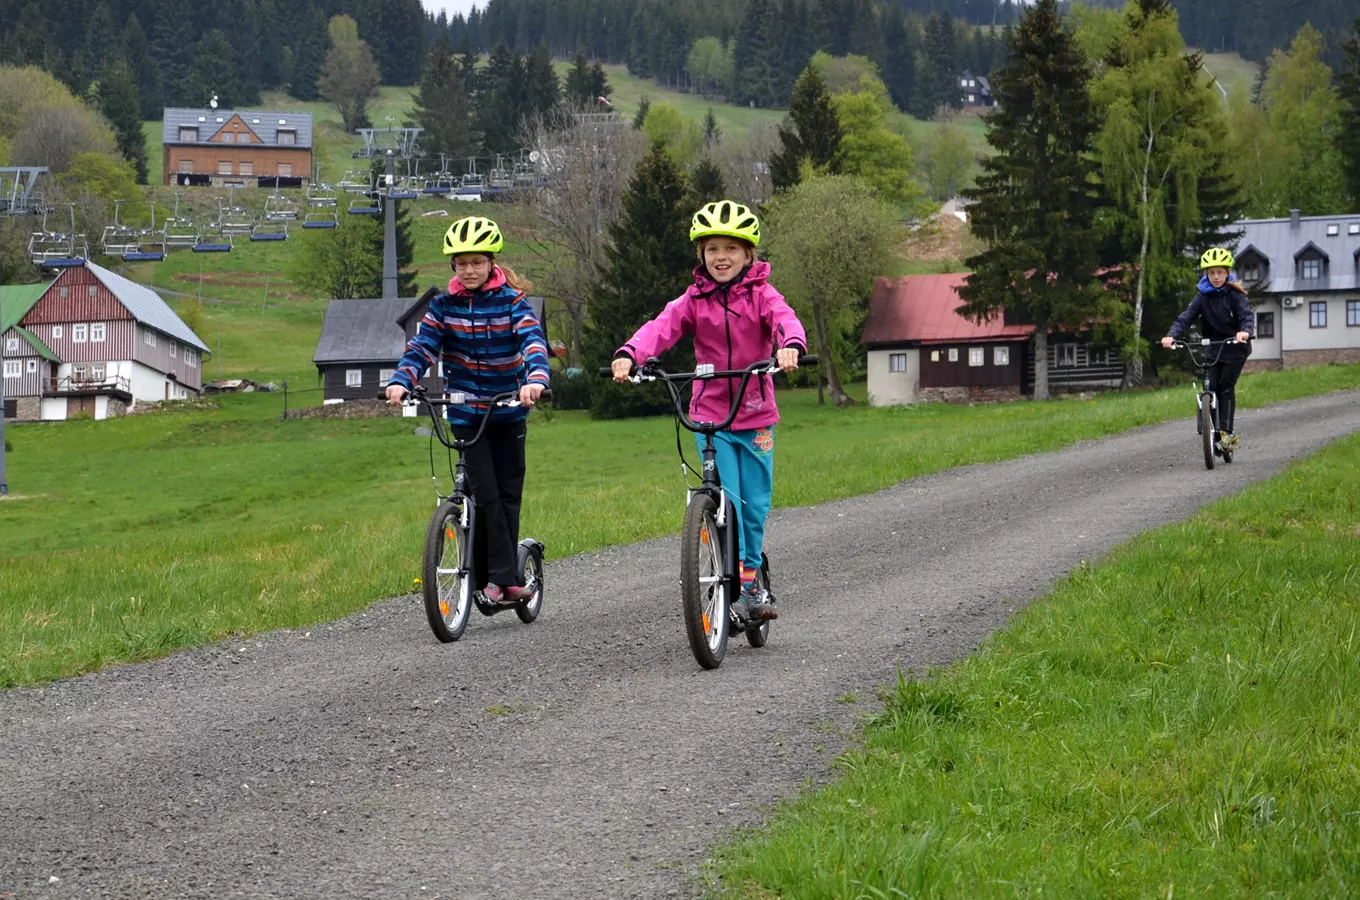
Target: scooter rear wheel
{"points": [[531, 564]]}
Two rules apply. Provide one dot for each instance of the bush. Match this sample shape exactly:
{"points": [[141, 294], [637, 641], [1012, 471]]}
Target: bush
{"points": [[570, 391]]}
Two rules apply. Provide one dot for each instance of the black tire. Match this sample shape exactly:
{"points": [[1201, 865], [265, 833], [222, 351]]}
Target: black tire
{"points": [[447, 584], [1206, 430], [531, 566], [759, 635], [705, 605]]}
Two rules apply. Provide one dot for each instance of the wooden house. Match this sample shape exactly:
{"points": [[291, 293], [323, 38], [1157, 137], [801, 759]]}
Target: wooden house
{"points": [[363, 340], [94, 342], [976, 90], [920, 349], [222, 146]]}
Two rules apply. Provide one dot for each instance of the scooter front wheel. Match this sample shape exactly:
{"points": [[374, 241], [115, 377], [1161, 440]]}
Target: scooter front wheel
{"points": [[447, 584], [703, 587]]}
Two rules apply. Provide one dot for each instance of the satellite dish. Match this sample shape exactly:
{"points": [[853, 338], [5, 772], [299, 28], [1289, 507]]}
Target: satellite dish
{"points": [[533, 156], [213, 101]]}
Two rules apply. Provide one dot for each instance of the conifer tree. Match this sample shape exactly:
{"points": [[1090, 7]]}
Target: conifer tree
{"points": [[139, 59], [640, 117], [1348, 134], [599, 84], [214, 71], [812, 133], [707, 184], [544, 92], [505, 101], [120, 104], [650, 261], [309, 56], [442, 106], [578, 86], [712, 130], [1035, 197], [899, 60]]}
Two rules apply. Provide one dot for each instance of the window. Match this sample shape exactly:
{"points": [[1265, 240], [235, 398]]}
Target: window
{"points": [[354, 377], [286, 169], [32, 366], [13, 369], [56, 330], [191, 357], [1317, 314], [1333, 230], [1251, 272], [243, 138], [78, 373], [228, 137], [385, 376], [94, 291], [79, 333], [287, 137], [174, 348], [1312, 268], [1352, 313], [64, 292], [98, 332], [934, 355], [963, 82], [188, 135], [1265, 325], [245, 168], [1354, 228], [1066, 354], [977, 356], [12, 345], [897, 362], [97, 372], [1001, 356], [972, 98], [953, 354], [186, 166], [223, 167], [149, 337]]}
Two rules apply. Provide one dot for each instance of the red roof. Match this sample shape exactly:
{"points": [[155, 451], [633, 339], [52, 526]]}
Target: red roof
{"points": [[920, 308]]}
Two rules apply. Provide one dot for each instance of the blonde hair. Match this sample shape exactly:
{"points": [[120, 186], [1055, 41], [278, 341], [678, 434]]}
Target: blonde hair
{"points": [[700, 244], [517, 281]]}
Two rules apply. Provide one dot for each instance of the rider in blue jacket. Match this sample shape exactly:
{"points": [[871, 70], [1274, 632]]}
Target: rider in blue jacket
{"points": [[1224, 315]]}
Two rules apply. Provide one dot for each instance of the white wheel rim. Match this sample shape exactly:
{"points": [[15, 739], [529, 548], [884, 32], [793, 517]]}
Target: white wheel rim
{"points": [[714, 606], [452, 585]]}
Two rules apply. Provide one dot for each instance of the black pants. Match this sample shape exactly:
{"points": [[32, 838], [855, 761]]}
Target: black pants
{"points": [[1221, 378], [496, 470]]}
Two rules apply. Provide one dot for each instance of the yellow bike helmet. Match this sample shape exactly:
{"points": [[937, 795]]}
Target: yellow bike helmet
{"points": [[473, 235], [1216, 257], [726, 218]]}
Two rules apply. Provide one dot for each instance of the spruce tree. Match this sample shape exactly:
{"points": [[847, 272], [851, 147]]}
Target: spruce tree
{"points": [[640, 117], [650, 259], [578, 86], [467, 66], [544, 92], [309, 55], [712, 130], [812, 132], [758, 56], [706, 183], [214, 72], [899, 60], [1035, 199], [505, 101], [172, 45], [120, 104], [442, 106], [143, 65], [1348, 136], [599, 84]]}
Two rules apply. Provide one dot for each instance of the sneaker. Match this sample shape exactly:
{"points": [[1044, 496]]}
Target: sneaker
{"points": [[1229, 442], [493, 593], [517, 594], [754, 604]]}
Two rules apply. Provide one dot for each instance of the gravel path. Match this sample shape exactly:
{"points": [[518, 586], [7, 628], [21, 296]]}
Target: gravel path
{"points": [[584, 756]]}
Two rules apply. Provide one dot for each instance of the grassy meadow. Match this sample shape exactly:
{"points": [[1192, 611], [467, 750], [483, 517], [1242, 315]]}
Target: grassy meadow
{"points": [[129, 538], [1179, 721]]}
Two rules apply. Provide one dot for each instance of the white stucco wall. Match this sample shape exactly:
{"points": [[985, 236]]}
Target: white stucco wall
{"points": [[1269, 348], [1298, 335], [147, 384], [53, 410], [101, 407], [887, 388]]}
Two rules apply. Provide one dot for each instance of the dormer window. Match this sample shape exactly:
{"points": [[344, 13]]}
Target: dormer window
{"points": [[287, 136], [188, 135], [1251, 271], [1311, 269]]}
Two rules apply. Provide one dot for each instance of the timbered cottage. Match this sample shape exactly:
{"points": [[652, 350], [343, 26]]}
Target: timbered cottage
{"points": [[93, 342]]}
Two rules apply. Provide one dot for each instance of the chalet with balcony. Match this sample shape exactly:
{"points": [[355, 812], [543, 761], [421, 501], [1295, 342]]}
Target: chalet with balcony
{"points": [[920, 349], [222, 146], [1302, 274], [93, 342]]}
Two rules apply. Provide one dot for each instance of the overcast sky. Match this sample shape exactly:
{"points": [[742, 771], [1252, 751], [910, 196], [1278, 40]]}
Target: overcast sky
{"points": [[451, 6]]}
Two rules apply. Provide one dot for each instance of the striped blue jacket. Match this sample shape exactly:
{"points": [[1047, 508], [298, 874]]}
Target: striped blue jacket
{"points": [[489, 342]]}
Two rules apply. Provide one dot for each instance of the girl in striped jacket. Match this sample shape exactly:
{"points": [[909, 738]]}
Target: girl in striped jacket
{"points": [[489, 341]]}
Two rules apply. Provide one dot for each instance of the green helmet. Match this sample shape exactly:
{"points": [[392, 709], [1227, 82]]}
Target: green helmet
{"points": [[473, 235], [1216, 257], [726, 218]]}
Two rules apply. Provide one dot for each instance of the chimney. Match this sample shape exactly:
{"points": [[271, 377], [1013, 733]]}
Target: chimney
{"points": [[1294, 217]]}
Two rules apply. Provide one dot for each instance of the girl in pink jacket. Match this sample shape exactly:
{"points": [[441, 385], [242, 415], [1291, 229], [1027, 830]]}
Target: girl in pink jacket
{"points": [[737, 318]]}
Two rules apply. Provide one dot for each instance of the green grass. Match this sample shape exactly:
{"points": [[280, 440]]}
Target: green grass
{"points": [[1231, 70], [132, 537], [1178, 722]]}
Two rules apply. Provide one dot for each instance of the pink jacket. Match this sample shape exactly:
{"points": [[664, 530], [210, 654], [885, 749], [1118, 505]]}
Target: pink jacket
{"points": [[733, 325]]}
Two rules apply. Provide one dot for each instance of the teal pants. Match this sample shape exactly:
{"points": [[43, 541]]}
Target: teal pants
{"points": [[746, 467]]}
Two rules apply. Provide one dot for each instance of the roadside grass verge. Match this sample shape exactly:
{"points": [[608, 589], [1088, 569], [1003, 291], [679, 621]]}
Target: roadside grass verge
{"points": [[1178, 721], [149, 533]]}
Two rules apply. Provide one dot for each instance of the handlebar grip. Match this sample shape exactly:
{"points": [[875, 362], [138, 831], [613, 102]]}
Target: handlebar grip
{"points": [[546, 395], [606, 372], [809, 359]]}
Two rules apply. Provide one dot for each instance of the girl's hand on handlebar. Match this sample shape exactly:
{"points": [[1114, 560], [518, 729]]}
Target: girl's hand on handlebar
{"points": [[621, 367], [1168, 342], [787, 359], [529, 394], [396, 394], [1243, 337]]}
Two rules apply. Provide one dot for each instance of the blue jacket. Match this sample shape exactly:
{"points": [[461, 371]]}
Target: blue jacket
{"points": [[1222, 313], [489, 342]]}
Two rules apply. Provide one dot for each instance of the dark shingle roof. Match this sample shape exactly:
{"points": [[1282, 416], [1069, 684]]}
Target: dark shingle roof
{"points": [[362, 331], [264, 123], [1280, 241]]}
